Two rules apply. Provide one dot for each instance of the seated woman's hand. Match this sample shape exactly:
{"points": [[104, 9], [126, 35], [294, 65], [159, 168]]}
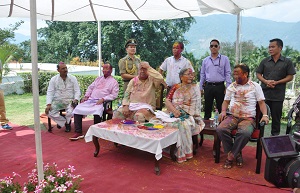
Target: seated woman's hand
{"points": [[177, 113]]}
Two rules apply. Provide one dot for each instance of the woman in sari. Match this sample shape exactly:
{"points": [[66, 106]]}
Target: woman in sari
{"points": [[184, 102]]}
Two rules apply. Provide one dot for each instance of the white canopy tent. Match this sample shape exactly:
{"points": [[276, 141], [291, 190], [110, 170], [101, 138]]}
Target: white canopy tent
{"points": [[109, 10]]}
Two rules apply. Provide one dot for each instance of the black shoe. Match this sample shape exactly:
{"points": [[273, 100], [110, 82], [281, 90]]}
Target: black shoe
{"points": [[58, 127], [68, 128]]}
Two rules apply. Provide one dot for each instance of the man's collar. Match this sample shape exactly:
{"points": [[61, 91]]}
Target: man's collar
{"points": [[280, 58], [249, 82], [178, 58], [219, 55]]}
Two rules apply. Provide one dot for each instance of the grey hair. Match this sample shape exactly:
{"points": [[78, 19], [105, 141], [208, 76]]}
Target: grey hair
{"points": [[182, 71]]}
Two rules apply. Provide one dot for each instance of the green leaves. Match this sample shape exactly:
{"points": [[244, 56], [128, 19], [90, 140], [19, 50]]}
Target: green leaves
{"points": [[6, 54]]}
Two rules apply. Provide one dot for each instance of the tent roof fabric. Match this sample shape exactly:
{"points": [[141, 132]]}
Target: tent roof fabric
{"points": [[111, 10]]}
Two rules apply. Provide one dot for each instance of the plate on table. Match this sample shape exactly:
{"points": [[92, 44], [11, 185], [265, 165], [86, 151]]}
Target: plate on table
{"points": [[128, 122]]}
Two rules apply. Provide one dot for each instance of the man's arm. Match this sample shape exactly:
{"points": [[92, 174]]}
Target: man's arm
{"points": [[227, 71], [49, 96], [264, 111], [263, 80], [153, 74], [202, 75], [225, 105], [77, 92], [161, 72], [288, 78]]}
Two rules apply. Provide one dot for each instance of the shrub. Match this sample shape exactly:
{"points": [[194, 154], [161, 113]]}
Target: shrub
{"points": [[44, 77], [55, 180]]}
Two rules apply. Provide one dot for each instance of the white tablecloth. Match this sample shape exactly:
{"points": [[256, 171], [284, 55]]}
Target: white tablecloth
{"points": [[152, 141]]}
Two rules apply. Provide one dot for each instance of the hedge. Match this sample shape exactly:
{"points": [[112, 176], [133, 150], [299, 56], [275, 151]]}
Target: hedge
{"points": [[44, 77]]}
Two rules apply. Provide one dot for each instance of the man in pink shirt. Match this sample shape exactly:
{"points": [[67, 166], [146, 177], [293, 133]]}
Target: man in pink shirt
{"points": [[104, 88]]}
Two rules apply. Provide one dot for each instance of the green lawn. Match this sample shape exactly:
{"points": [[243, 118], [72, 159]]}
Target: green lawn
{"points": [[19, 110]]}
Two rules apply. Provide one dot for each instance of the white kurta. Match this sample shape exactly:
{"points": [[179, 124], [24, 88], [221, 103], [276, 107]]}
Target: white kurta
{"points": [[60, 94], [106, 88]]}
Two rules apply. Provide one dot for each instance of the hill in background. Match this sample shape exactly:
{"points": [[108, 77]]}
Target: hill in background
{"points": [[223, 27]]}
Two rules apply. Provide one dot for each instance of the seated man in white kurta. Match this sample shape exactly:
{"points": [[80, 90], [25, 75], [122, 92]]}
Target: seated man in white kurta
{"points": [[104, 88], [63, 89]]}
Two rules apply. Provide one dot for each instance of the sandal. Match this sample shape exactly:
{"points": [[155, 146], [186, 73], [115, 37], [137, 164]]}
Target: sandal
{"points": [[239, 160], [228, 164]]}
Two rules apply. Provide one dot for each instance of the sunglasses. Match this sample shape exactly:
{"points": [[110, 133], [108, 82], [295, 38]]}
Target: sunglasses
{"points": [[211, 46]]}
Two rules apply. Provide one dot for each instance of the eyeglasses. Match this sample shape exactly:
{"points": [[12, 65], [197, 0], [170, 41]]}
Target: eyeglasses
{"points": [[211, 46], [189, 74]]}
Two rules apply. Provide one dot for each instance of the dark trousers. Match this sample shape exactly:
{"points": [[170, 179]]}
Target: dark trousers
{"points": [[276, 113], [212, 92], [78, 122]]}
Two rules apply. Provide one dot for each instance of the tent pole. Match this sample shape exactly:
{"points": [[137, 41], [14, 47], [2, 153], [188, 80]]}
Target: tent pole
{"points": [[237, 43], [99, 47], [35, 90]]}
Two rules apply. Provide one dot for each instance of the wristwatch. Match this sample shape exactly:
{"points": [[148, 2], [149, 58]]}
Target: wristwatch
{"points": [[266, 116]]}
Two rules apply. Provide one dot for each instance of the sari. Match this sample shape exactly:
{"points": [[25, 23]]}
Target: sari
{"points": [[187, 99]]}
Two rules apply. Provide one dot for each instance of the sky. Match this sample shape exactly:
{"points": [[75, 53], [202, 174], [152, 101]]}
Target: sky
{"points": [[283, 11]]}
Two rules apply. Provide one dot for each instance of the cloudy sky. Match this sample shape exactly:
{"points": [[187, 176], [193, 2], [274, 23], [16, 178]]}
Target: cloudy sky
{"points": [[283, 11]]}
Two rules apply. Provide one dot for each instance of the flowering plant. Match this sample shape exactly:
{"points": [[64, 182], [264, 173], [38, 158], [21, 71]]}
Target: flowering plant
{"points": [[55, 181]]}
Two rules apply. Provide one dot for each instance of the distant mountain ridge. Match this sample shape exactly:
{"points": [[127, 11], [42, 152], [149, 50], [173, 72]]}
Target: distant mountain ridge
{"points": [[223, 27]]}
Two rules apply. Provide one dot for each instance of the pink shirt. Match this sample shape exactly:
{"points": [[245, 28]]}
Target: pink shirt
{"points": [[106, 88]]}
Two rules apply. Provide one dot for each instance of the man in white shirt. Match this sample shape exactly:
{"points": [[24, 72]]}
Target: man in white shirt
{"points": [[240, 100], [63, 91], [172, 65]]}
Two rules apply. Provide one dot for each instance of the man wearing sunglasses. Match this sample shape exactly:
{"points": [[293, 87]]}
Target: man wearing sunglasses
{"points": [[215, 71]]}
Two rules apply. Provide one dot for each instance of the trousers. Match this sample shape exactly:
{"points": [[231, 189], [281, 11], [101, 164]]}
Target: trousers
{"points": [[3, 119], [78, 122], [276, 113], [212, 92], [244, 126]]}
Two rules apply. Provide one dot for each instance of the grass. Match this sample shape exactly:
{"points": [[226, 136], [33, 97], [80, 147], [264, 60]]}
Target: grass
{"points": [[19, 110]]}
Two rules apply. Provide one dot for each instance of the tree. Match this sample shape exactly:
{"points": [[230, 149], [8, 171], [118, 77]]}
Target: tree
{"points": [[66, 40], [155, 38], [8, 34], [6, 54]]}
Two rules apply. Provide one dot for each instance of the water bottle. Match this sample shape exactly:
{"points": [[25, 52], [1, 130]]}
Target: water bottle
{"points": [[119, 102], [216, 116]]}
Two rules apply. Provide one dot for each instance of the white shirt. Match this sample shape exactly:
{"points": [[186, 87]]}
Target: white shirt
{"points": [[243, 98], [173, 67], [61, 90]]}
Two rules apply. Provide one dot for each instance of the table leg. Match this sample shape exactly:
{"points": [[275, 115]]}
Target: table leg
{"points": [[201, 139], [172, 152], [156, 167], [97, 146], [217, 144]]}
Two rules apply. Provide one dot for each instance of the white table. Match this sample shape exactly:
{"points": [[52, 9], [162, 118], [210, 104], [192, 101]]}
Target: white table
{"points": [[152, 141]]}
